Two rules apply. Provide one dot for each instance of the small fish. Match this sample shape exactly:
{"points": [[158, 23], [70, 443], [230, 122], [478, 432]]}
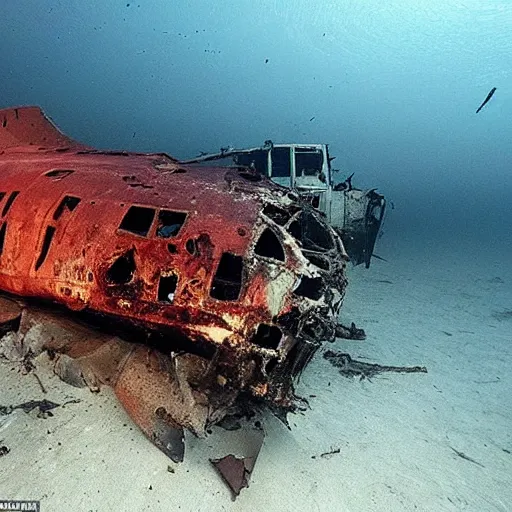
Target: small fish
{"points": [[312, 118], [489, 96]]}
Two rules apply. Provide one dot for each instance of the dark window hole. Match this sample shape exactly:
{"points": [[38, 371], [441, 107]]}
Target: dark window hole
{"points": [[68, 203], [271, 365], [295, 230], [167, 288], [269, 246], [48, 237], [291, 321], [317, 260], [227, 282], [314, 233], [169, 223], [249, 176], [122, 270], [191, 246], [138, 220], [310, 287], [172, 248], [2, 236], [9, 202], [267, 336], [59, 174], [314, 201], [278, 215]]}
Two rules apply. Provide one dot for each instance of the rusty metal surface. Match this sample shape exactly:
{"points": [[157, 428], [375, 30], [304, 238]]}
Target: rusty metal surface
{"points": [[222, 263]]}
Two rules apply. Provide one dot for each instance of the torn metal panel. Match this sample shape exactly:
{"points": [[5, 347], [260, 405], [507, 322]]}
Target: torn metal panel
{"points": [[360, 214], [236, 468], [356, 214], [233, 281]]}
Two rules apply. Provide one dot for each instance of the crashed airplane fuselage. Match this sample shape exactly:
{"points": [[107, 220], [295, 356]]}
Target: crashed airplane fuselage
{"points": [[223, 263]]}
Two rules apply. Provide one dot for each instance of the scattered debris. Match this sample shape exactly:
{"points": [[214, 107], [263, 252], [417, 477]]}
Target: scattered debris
{"points": [[349, 367], [45, 407], [332, 452], [43, 389], [462, 455], [350, 333], [327, 455], [235, 471]]}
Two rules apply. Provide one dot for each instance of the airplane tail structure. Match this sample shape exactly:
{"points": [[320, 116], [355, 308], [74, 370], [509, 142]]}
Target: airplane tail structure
{"points": [[29, 126]]}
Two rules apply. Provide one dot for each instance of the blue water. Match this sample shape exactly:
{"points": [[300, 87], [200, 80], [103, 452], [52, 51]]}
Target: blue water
{"points": [[393, 88]]}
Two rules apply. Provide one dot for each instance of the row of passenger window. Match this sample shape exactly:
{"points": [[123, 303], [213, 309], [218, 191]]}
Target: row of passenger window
{"points": [[139, 219]]}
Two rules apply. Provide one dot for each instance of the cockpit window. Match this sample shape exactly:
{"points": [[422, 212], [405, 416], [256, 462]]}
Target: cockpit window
{"points": [[256, 160], [308, 161], [281, 167]]}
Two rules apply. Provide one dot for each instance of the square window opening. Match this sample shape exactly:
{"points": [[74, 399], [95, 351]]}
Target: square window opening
{"points": [[167, 288], [138, 220], [169, 223]]}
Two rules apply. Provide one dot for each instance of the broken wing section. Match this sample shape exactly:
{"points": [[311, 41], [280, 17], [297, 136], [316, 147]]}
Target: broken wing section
{"points": [[357, 216], [29, 126]]}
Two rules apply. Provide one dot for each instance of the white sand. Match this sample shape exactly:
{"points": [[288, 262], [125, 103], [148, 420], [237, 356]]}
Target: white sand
{"points": [[396, 434]]}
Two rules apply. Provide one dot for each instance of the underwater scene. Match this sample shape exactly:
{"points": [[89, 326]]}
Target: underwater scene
{"points": [[255, 256]]}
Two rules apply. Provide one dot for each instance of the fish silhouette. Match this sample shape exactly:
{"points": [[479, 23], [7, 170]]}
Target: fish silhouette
{"points": [[489, 96]]}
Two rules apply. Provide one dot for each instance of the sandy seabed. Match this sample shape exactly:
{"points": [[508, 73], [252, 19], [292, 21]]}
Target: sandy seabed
{"points": [[440, 441]]}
